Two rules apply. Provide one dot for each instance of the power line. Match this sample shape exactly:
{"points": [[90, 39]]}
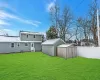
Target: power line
{"points": [[79, 4]]}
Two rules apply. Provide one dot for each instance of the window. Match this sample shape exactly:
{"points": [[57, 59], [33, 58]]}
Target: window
{"points": [[12, 45], [34, 36], [27, 36], [32, 45], [18, 44], [26, 44]]}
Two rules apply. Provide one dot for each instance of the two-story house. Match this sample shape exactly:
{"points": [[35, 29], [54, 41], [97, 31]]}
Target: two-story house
{"points": [[26, 41]]}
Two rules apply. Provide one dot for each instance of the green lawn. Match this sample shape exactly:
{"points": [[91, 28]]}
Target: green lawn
{"points": [[38, 66]]}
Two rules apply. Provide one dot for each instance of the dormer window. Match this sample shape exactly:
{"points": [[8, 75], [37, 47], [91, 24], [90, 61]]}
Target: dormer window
{"points": [[27, 36], [34, 36]]}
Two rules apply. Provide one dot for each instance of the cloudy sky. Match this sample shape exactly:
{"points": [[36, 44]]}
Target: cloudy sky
{"points": [[33, 15]]}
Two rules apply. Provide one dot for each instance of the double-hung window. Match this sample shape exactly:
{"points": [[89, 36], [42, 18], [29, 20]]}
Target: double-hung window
{"points": [[12, 45], [26, 44], [34, 36]]}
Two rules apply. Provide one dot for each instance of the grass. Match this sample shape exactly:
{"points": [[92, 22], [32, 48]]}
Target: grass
{"points": [[38, 66]]}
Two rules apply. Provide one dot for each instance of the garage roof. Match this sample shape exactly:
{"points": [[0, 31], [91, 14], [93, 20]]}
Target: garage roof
{"points": [[51, 41]]}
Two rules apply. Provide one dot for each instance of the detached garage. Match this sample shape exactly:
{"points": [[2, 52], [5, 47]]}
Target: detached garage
{"points": [[66, 51], [50, 46]]}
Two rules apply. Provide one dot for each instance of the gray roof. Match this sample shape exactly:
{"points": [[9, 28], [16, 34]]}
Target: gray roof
{"points": [[27, 32], [9, 38], [20, 41], [14, 39], [51, 41]]}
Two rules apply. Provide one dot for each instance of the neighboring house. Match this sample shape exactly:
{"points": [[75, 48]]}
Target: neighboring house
{"points": [[50, 46], [83, 43], [26, 41]]}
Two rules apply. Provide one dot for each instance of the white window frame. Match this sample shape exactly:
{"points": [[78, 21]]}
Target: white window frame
{"points": [[34, 36], [25, 44], [13, 45], [27, 35], [18, 44]]}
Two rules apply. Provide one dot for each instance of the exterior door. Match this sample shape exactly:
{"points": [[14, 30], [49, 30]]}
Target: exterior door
{"points": [[32, 47]]}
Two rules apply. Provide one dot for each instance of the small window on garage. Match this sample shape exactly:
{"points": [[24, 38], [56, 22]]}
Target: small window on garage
{"points": [[34, 36], [12, 45], [26, 44]]}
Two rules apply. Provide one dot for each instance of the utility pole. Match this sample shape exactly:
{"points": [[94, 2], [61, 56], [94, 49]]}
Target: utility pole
{"points": [[98, 28]]}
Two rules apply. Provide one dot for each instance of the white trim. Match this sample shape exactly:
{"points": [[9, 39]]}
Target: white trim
{"points": [[18, 44], [32, 47]]}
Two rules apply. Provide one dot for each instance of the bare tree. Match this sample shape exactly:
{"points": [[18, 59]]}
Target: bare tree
{"points": [[83, 24], [54, 15], [92, 16], [64, 23], [77, 31], [61, 20], [67, 18]]}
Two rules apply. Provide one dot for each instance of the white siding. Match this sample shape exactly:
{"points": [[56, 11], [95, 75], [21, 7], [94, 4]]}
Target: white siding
{"points": [[5, 47], [48, 50], [37, 46], [30, 37], [24, 48]]}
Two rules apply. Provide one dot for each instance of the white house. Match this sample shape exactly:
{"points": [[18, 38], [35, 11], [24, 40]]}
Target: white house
{"points": [[26, 41]]}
